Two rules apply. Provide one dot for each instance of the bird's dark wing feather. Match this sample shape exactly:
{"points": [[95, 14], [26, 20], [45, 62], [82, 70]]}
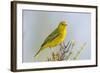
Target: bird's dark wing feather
{"points": [[51, 37]]}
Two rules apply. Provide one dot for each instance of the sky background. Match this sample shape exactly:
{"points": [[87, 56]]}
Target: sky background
{"points": [[37, 25]]}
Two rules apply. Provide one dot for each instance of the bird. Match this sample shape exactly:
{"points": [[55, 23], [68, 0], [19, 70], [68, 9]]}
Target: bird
{"points": [[55, 38]]}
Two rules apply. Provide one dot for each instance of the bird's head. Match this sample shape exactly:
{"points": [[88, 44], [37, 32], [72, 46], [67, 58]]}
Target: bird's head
{"points": [[62, 25]]}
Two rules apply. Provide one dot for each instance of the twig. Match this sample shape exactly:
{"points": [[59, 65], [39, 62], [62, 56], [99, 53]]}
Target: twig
{"points": [[79, 52]]}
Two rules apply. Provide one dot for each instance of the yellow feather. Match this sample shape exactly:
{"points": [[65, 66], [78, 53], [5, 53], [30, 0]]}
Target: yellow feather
{"points": [[58, 39]]}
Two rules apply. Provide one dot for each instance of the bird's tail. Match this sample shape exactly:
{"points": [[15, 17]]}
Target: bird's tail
{"points": [[38, 52]]}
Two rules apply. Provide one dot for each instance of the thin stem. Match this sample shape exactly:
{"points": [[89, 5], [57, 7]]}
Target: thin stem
{"points": [[79, 52]]}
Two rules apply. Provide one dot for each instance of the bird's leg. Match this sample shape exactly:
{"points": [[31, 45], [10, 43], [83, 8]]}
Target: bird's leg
{"points": [[62, 50], [61, 47], [64, 45]]}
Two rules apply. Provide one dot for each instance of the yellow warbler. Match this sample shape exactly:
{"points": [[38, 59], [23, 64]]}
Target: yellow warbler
{"points": [[55, 38]]}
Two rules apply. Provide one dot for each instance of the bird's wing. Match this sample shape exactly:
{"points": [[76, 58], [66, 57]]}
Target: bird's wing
{"points": [[51, 37]]}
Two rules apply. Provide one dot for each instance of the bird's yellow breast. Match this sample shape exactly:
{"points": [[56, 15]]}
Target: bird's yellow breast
{"points": [[59, 39]]}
